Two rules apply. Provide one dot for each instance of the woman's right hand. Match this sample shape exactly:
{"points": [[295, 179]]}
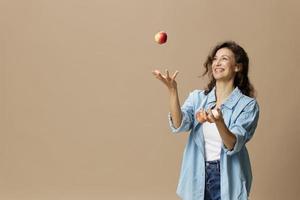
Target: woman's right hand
{"points": [[166, 79]]}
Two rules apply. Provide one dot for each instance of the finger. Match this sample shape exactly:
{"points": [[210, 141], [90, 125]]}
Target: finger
{"points": [[204, 114], [197, 116], [210, 114], [210, 118], [209, 111], [175, 74], [160, 77], [156, 72], [167, 72]]}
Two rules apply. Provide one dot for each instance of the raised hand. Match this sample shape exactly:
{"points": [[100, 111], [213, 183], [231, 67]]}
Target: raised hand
{"points": [[166, 79]]}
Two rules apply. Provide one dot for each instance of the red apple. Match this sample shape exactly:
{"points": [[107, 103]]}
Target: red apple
{"points": [[161, 37], [201, 116]]}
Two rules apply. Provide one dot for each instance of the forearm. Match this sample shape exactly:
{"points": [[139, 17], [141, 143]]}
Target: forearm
{"points": [[227, 136], [175, 109]]}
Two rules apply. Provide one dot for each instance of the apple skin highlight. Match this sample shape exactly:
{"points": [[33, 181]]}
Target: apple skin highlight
{"points": [[161, 37]]}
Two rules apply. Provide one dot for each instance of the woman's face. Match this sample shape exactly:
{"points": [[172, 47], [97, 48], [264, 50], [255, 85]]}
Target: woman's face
{"points": [[224, 66]]}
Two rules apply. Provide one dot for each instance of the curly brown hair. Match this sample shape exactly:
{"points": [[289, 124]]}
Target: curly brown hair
{"points": [[241, 79]]}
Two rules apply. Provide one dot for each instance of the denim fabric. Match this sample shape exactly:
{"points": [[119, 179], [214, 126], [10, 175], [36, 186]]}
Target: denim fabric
{"points": [[240, 114], [212, 180]]}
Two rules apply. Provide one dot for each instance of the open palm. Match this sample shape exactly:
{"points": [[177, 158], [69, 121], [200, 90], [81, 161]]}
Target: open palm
{"points": [[166, 79]]}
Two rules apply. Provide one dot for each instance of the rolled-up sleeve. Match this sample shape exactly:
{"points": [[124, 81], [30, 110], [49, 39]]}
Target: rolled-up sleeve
{"points": [[244, 127], [187, 111]]}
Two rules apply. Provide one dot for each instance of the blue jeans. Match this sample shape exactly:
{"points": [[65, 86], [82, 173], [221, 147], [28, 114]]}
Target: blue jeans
{"points": [[212, 180]]}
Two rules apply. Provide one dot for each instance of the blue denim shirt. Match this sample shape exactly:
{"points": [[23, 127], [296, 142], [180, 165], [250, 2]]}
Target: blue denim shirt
{"points": [[240, 114]]}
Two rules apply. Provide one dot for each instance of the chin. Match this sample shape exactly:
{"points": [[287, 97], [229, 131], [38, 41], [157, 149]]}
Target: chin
{"points": [[221, 78], [217, 77]]}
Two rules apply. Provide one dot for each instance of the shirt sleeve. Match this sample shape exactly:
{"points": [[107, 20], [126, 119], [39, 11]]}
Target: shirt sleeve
{"points": [[187, 111], [244, 127]]}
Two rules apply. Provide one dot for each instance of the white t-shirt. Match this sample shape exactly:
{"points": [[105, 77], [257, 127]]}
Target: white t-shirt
{"points": [[213, 141]]}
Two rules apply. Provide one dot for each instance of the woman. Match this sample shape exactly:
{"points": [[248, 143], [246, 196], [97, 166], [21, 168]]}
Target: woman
{"points": [[221, 120]]}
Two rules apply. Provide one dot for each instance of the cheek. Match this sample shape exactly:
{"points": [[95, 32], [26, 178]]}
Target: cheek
{"points": [[229, 66], [213, 64]]}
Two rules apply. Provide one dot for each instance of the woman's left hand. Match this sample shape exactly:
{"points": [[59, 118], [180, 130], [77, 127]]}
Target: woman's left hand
{"points": [[214, 115]]}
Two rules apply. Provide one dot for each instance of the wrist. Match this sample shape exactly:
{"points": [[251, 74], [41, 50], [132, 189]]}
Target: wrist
{"points": [[220, 122], [173, 90]]}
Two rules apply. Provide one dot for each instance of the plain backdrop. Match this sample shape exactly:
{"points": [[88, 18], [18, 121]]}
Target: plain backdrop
{"points": [[82, 116]]}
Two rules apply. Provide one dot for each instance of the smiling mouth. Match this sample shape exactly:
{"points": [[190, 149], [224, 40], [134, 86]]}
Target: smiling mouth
{"points": [[219, 70]]}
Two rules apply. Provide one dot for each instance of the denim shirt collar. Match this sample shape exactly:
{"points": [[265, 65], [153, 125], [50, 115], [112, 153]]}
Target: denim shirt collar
{"points": [[229, 102]]}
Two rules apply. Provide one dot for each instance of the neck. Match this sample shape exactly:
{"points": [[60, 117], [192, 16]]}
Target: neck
{"points": [[223, 90]]}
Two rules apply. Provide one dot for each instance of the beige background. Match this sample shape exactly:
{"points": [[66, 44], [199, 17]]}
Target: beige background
{"points": [[82, 117]]}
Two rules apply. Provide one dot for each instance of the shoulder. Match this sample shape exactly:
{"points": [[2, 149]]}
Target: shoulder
{"points": [[246, 110], [248, 103], [197, 94]]}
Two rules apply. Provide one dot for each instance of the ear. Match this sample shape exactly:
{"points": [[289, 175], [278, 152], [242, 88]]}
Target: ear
{"points": [[238, 67]]}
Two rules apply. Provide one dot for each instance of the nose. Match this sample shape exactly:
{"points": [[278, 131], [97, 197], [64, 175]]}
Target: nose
{"points": [[217, 62]]}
